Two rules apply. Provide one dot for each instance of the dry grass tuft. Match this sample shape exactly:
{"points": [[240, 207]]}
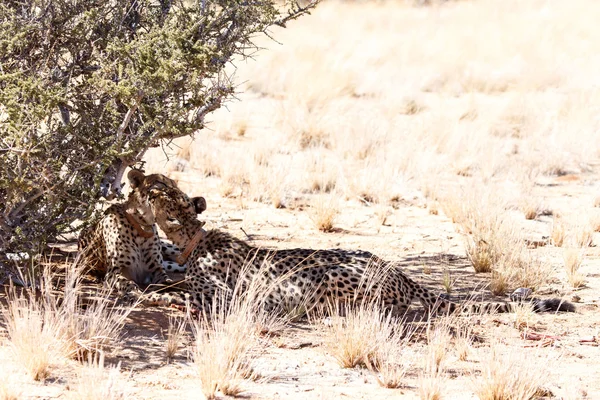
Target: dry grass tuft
{"points": [[494, 245], [36, 334], [531, 208], [558, 232], [577, 233], [573, 258], [394, 359], [522, 268], [353, 340], [324, 214], [447, 281], [486, 231], [7, 393], [97, 382], [9, 383], [499, 282], [45, 329], [93, 324], [509, 375], [430, 385], [323, 183], [393, 356], [582, 235], [226, 342], [438, 343], [7, 390], [433, 207], [362, 333], [523, 315], [175, 334], [595, 222], [222, 351], [482, 253], [411, 107], [381, 214], [240, 127], [463, 341]]}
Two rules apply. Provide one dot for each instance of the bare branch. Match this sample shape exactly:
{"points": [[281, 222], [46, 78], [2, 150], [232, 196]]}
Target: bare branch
{"points": [[128, 116], [295, 12]]}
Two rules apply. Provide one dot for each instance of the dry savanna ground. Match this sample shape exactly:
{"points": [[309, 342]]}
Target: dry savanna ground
{"points": [[458, 139]]}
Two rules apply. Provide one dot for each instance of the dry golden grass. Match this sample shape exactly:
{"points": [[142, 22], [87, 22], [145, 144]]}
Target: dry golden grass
{"points": [[523, 315], [573, 257], [363, 333], [45, 329], [486, 234], [7, 393], [368, 336], [36, 335], [582, 235], [92, 328], [493, 244], [95, 381], [174, 337], [578, 232], [393, 360], [522, 268], [431, 385], [226, 341], [434, 208], [221, 352], [499, 282], [438, 343], [354, 338], [463, 341], [558, 232], [324, 213], [510, 375], [531, 208], [447, 282], [382, 213], [481, 253], [411, 107], [354, 108], [595, 222], [8, 390]]}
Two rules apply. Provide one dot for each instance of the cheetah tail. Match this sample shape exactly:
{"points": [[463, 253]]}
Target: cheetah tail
{"points": [[544, 305]]}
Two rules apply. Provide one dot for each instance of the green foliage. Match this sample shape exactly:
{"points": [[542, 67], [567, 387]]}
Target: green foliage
{"points": [[87, 86]]}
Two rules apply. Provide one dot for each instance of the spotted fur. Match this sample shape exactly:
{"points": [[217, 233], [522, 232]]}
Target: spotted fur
{"points": [[114, 246], [297, 278]]}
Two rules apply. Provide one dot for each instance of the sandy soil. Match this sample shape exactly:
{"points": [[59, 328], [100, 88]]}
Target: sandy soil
{"points": [[410, 106], [296, 365]]}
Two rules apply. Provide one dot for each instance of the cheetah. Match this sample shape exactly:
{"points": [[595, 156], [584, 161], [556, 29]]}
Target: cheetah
{"points": [[124, 243], [297, 278]]}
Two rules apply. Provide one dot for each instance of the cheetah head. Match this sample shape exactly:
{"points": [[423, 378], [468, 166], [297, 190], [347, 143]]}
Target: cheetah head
{"points": [[175, 213], [137, 202]]}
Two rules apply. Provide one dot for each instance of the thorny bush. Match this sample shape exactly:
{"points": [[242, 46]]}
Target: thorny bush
{"points": [[87, 86]]}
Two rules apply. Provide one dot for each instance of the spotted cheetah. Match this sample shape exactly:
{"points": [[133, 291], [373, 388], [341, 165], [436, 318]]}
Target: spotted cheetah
{"points": [[124, 243], [297, 278]]}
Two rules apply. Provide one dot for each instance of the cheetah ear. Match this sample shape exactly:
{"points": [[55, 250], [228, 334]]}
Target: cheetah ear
{"points": [[135, 178], [199, 204]]}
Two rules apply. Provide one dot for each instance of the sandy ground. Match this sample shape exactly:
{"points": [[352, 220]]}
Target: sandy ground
{"points": [[447, 111], [296, 365]]}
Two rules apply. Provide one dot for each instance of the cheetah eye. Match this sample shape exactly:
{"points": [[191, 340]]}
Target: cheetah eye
{"points": [[171, 219]]}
